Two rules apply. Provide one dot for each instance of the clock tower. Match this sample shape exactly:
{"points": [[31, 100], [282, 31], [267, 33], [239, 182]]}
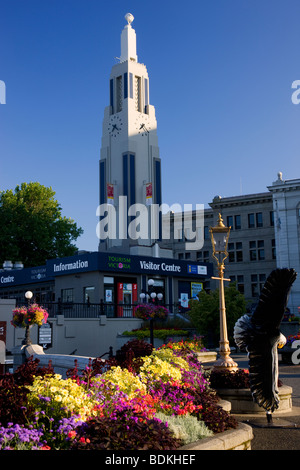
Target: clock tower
{"points": [[130, 165]]}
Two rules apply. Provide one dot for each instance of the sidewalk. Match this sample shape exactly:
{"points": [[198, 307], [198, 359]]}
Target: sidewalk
{"points": [[287, 438]]}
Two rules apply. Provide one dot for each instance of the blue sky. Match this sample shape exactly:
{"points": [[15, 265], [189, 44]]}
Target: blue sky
{"points": [[220, 80]]}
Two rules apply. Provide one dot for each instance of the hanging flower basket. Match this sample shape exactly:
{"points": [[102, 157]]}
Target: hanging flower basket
{"points": [[151, 312], [27, 316]]}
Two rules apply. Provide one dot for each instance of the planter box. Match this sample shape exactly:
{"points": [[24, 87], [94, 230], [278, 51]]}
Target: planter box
{"points": [[242, 401], [233, 439]]}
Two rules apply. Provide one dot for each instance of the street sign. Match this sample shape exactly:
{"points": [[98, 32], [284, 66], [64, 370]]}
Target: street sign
{"points": [[45, 335]]}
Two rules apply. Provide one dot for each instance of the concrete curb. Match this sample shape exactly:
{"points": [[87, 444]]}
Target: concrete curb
{"points": [[233, 439]]}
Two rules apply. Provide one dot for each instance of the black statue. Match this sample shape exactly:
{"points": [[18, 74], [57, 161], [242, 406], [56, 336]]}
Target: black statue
{"points": [[259, 334]]}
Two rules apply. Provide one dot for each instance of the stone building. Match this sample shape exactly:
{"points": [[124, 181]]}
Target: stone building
{"points": [[251, 247]]}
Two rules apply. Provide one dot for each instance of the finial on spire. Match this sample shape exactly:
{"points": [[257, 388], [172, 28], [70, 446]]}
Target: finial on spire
{"points": [[128, 41], [129, 18]]}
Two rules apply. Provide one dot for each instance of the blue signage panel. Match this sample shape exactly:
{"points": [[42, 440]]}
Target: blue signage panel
{"points": [[73, 264], [146, 265], [23, 276], [98, 261]]}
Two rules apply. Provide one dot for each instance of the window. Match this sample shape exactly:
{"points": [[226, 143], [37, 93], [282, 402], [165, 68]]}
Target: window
{"points": [[273, 249], [259, 219], [203, 256], [255, 220], [67, 295], [261, 250], [138, 94], [257, 250], [237, 222], [239, 280], [89, 295], [230, 221], [257, 283], [252, 248], [119, 103], [272, 218], [235, 252], [240, 284], [251, 221], [262, 280], [254, 285], [231, 253], [206, 232], [239, 251]]}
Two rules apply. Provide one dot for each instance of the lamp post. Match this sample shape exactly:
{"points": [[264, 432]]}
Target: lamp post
{"points": [[151, 294], [219, 239], [27, 340]]}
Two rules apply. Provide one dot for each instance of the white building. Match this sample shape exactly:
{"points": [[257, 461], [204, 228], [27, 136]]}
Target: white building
{"points": [[130, 165], [286, 204]]}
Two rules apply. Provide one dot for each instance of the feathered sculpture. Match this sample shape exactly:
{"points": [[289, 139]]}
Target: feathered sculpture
{"points": [[259, 334]]}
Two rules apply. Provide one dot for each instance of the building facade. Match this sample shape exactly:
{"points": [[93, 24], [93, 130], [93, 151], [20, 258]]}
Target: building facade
{"points": [[286, 207], [251, 247], [111, 279]]}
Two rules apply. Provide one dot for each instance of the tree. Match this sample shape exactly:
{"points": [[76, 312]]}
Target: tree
{"points": [[205, 312], [32, 228]]}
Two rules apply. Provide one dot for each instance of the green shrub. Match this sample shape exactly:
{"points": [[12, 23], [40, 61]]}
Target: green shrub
{"points": [[160, 333], [205, 313]]}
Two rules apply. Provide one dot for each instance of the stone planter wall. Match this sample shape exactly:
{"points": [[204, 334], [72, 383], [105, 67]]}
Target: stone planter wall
{"points": [[206, 356], [233, 439]]}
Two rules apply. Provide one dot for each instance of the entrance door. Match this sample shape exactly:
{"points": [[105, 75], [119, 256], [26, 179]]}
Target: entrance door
{"points": [[127, 295]]}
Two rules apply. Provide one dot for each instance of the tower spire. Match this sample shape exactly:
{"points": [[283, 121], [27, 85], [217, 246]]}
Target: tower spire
{"points": [[128, 41]]}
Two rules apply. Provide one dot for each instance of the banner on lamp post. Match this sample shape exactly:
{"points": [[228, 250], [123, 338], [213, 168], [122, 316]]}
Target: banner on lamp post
{"points": [[149, 194], [110, 194]]}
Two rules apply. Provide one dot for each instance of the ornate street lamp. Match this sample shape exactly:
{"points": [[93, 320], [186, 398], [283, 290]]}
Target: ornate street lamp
{"points": [[150, 294], [27, 340], [219, 239]]}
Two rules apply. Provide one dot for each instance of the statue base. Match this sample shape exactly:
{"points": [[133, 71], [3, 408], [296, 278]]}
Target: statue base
{"points": [[242, 401]]}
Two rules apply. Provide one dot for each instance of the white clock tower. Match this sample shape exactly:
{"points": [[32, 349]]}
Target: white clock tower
{"points": [[130, 165]]}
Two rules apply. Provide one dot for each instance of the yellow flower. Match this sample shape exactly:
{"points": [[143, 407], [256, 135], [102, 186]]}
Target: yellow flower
{"points": [[65, 391], [125, 380]]}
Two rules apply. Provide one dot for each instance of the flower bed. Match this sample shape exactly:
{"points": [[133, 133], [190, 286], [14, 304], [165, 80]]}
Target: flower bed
{"points": [[144, 398]]}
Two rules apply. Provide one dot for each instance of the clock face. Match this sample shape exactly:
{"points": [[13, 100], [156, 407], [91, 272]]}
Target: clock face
{"points": [[142, 125], [115, 126]]}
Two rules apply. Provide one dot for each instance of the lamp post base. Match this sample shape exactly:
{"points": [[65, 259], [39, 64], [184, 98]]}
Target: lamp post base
{"points": [[225, 361]]}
